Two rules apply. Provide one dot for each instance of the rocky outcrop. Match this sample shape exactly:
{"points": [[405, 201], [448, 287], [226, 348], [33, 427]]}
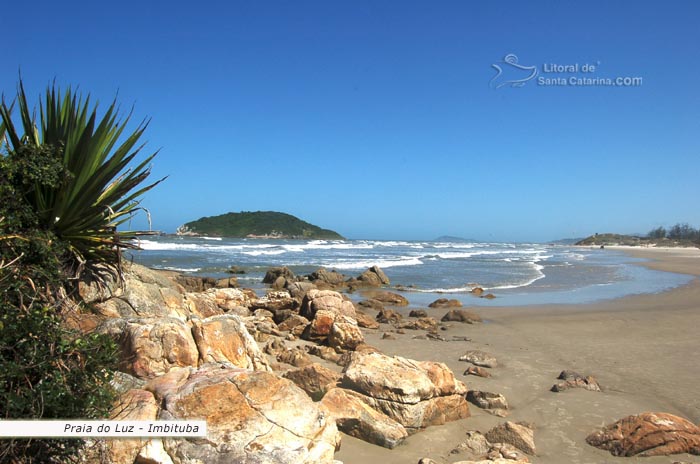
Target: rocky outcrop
{"points": [[389, 298], [325, 300], [345, 334], [388, 316], [332, 320], [325, 278], [415, 394], [373, 277], [132, 405], [461, 315], [358, 419], [479, 358], [648, 434], [571, 379], [252, 417], [480, 451]]}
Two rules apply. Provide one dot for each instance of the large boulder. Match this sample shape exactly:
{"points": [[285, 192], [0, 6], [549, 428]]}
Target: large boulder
{"points": [[151, 347], [345, 334], [325, 277], [314, 379], [389, 298], [374, 277], [415, 394], [252, 417], [225, 339], [445, 303], [648, 434], [358, 419], [328, 300]]}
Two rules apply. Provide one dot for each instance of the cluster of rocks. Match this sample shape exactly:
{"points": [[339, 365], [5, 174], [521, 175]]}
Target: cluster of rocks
{"points": [[283, 278], [571, 379], [245, 363]]}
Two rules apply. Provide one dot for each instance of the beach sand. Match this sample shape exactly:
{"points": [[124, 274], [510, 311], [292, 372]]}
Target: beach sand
{"points": [[643, 350]]}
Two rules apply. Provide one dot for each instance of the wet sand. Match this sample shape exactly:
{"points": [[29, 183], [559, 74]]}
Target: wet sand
{"points": [[643, 350]]}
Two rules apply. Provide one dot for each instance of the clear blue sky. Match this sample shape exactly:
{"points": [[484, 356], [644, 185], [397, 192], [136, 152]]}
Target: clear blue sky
{"points": [[379, 120]]}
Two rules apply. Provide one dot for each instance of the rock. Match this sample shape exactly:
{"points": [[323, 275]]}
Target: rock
{"points": [[423, 323], [153, 452], [415, 394], [365, 321], [225, 339], [445, 303], [345, 334], [461, 315], [314, 379], [476, 445], [518, 435], [274, 302], [332, 278], [478, 291], [235, 270], [252, 417], [648, 434], [354, 417], [487, 400], [296, 357], [479, 358], [275, 273], [195, 284], [298, 290], [388, 336], [478, 371], [506, 453], [389, 298], [488, 296], [133, 405], [374, 277], [573, 379], [388, 316], [227, 282], [324, 352], [418, 313], [151, 347], [292, 322], [325, 300], [320, 327], [372, 304]]}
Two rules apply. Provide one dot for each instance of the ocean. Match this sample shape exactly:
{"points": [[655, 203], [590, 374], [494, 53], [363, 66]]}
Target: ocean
{"points": [[516, 273]]}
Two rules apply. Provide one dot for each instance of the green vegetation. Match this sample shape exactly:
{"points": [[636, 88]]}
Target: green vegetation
{"points": [[64, 189], [680, 235], [257, 224]]}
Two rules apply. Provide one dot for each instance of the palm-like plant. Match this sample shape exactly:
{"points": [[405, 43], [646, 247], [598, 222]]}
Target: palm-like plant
{"points": [[100, 191]]}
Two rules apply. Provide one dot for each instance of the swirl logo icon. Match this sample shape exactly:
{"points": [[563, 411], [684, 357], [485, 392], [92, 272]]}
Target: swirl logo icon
{"points": [[509, 72]]}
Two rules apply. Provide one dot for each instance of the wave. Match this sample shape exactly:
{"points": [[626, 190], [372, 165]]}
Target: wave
{"points": [[383, 263], [178, 269], [264, 252]]}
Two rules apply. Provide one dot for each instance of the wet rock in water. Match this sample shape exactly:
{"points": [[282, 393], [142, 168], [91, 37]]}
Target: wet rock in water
{"points": [[235, 270], [516, 434], [314, 379], [389, 298], [479, 358], [461, 315], [478, 371], [372, 304], [573, 379], [251, 417], [416, 394], [356, 418], [445, 303], [418, 313], [273, 274], [478, 291], [648, 434], [388, 316], [488, 296], [374, 277], [327, 278]]}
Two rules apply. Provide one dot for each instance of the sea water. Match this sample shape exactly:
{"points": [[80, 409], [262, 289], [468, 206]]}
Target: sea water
{"points": [[517, 273]]}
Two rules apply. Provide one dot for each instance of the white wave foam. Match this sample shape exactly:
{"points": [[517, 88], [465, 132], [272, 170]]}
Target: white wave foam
{"points": [[264, 252], [178, 269], [211, 238], [383, 263]]}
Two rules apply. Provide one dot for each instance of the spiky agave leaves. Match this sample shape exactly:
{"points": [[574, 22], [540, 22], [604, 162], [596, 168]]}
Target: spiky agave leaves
{"points": [[101, 190]]}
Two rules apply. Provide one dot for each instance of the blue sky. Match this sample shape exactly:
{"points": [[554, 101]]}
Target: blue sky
{"points": [[378, 119]]}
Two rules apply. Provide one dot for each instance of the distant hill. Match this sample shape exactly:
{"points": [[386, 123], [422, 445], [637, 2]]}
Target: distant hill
{"points": [[259, 224], [566, 241]]}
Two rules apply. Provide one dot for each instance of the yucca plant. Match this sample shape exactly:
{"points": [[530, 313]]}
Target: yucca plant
{"points": [[99, 191]]}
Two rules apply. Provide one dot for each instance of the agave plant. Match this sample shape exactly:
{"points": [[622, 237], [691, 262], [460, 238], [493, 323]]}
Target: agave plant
{"points": [[101, 191]]}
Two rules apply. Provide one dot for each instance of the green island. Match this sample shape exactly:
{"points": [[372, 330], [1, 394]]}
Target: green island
{"points": [[258, 224], [679, 235]]}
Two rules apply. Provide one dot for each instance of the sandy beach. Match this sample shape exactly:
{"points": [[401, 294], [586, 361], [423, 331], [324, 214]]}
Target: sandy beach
{"points": [[642, 349]]}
